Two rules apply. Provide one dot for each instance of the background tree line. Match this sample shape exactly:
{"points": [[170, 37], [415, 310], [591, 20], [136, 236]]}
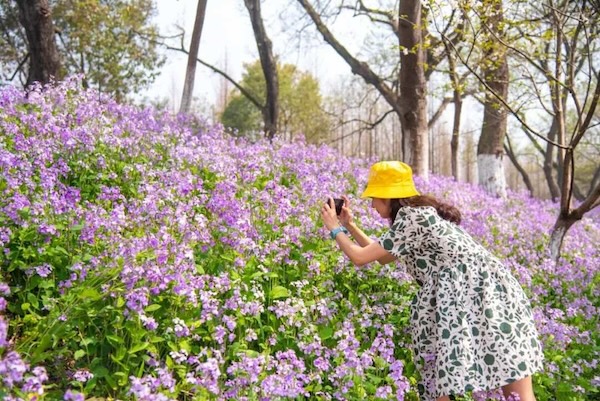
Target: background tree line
{"points": [[528, 70]]}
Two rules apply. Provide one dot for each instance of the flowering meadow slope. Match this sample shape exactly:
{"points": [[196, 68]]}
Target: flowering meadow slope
{"points": [[153, 257]]}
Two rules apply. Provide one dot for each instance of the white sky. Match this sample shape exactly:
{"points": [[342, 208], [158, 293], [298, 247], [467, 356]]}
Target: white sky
{"points": [[228, 42]]}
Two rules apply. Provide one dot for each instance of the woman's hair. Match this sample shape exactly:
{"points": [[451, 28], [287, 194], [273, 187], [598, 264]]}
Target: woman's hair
{"points": [[446, 211]]}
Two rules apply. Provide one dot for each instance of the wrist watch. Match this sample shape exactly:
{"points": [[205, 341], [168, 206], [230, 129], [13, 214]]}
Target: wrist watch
{"points": [[341, 229]]}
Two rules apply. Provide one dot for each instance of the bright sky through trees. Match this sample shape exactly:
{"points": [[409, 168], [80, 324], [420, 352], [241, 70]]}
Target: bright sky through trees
{"points": [[227, 42]]}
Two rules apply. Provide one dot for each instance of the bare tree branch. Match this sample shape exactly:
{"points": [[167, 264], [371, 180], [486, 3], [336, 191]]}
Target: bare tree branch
{"points": [[515, 161], [366, 125], [357, 67], [500, 98], [216, 70]]}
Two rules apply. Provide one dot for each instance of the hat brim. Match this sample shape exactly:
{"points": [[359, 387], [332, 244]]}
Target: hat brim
{"points": [[389, 192]]}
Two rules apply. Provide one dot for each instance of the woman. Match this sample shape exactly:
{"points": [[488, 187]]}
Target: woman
{"points": [[471, 323]]}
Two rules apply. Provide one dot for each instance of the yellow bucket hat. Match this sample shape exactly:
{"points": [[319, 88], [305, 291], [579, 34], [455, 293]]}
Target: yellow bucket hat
{"points": [[390, 180]]}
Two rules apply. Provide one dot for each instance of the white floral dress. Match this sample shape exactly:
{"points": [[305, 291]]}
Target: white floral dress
{"points": [[471, 322]]}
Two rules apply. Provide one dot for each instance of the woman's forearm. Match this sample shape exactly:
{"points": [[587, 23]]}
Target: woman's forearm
{"points": [[361, 255], [359, 236], [364, 240]]}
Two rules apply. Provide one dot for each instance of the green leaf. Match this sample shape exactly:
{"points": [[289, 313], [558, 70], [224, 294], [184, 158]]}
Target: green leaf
{"points": [[79, 354], [77, 227], [138, 348], [152, 308], [60, 249], [90, 293], [87, 341], [120, 302], [33, 300], [100, 371], [325, 332], [279, 292], [114, 340]]}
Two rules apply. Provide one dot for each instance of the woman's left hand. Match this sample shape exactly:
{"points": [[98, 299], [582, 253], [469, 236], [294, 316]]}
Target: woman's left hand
{"points": [[328, 215]]}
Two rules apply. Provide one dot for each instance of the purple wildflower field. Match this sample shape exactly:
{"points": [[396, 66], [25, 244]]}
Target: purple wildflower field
{"points": [[148, 256]]}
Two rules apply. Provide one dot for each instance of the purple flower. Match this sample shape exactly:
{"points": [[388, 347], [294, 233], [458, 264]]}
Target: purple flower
{"points": [[83, 375], [207, 375], [34, 382], [3, 332], [180, 328], [12, 369], [383, 392], [73, 396], [43, 270]]}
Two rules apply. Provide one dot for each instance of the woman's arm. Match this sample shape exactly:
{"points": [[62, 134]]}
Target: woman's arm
{"points": [[361, 255], [364, 240], [367, 249], [358, 234]]}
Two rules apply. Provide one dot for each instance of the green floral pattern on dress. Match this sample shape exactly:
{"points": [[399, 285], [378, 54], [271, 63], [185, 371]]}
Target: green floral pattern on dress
{"points": [[471, 322]]}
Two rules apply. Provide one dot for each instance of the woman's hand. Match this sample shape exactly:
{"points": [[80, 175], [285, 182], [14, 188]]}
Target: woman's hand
{"points": [[328, 215], [346, 216]]}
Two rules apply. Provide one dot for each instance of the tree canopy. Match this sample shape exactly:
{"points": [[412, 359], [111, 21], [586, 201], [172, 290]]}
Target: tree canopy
{"points": [[301, 109], [110, 42]]}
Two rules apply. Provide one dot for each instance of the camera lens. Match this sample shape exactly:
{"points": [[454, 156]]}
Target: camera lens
{"points": [[338, 203]]}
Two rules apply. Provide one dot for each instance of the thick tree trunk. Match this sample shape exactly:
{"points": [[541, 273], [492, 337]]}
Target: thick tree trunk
{"points": [[413, 87], [491, 176], [412, 109], [490, 152], [44, 61], [269, 67], [190, 72]]}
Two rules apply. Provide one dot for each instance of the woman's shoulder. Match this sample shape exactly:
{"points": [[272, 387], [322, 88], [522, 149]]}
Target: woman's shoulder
{"points": [[411, 211], [423, 215]]}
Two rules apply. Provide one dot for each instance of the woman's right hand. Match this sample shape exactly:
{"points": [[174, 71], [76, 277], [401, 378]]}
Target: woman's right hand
{"points": [[346, 216]]}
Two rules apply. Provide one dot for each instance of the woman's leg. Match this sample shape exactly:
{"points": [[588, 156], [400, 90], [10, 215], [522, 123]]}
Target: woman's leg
{"points": [[522, 387]]}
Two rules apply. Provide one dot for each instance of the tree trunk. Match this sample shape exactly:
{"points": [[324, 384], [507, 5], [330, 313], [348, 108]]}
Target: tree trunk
{"points": [[548, 167], [457, 98], [44, 61], [567, 215], [515, 161], [269, 67], [412, 109], [413, 87], [490, 152], [190, 72], [454, 142], [562, 225]]}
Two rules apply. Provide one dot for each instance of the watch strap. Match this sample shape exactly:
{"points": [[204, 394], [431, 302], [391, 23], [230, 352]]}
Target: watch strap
{"points": [[341, 229]]}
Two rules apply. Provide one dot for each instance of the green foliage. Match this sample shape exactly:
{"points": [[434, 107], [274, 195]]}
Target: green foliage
{"points": [[300, 103], [281, 289], [242, 115], [110, 42]]}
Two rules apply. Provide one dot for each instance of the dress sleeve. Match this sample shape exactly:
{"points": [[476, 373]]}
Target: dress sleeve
{"points": [[409, 231]]}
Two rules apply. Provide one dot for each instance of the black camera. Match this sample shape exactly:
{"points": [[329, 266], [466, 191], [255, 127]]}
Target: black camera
{"points": [[338, 205]]}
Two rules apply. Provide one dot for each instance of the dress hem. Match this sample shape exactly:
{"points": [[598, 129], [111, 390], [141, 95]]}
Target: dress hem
{"points": [[501, 384]]}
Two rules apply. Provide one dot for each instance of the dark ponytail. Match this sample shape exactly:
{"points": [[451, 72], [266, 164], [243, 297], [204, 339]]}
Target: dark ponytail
{"points": [[446, 211]]}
